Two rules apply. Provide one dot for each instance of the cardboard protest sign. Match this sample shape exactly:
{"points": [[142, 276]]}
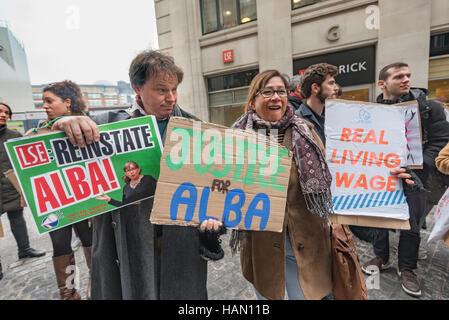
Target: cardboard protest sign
{"points": [[363, 142], [62, 183], [210, 171], [440, 229], [413, 134]]}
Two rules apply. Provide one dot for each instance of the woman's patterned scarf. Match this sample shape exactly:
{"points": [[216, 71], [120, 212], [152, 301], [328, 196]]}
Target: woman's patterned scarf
{"points": [[314, 176]]}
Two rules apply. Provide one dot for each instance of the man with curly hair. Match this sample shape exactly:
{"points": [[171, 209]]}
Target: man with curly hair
{"points": [[318, 84]]}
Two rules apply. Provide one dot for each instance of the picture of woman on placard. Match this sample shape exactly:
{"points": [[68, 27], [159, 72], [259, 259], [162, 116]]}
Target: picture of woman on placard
{"points": [[137, 187]]}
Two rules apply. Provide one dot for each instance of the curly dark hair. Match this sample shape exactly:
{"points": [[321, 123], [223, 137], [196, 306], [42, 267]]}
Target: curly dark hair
{"points": [[316, 73], [149, 64], [68, 90]]}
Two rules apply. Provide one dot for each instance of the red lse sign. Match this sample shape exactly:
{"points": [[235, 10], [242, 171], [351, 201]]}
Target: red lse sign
{"points": [[32, 154], [228, 56]]}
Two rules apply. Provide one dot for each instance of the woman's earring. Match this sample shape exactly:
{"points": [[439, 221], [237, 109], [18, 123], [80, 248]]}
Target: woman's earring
{"points": [[69, 111]]}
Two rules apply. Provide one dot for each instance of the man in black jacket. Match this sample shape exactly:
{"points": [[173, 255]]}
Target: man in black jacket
{"points": [[132, 259], [318, 84], [394, 80]]}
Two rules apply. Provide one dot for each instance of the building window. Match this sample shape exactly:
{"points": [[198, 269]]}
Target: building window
{"points": [[227, 96], [356, 95], [110, 95], [302, 3], [37, 95], [95, 103], [230, 81], [94, 95], [222, 14], [111, 102], [439, 89], [439, 44], [248, 11]]}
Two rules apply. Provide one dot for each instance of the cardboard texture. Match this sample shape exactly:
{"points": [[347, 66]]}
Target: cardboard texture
{"points": [[446, 239], [206, 190], [1, 229], [370, 221]]}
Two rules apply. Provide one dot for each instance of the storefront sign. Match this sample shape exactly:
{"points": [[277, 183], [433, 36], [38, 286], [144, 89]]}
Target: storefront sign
{"points": [[64, 184], [355, 66], [210, 171], [363, 143]]}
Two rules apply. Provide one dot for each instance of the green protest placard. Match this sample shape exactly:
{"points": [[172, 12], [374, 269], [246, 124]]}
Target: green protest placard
{"points": [[63, 184], [210, 171]]}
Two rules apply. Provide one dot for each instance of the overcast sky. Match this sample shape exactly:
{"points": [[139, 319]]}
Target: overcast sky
{"points": [[81, 40]]}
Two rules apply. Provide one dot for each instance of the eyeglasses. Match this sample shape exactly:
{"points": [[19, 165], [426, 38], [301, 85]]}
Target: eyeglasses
{"points": [[268, 93], [131, 169]]}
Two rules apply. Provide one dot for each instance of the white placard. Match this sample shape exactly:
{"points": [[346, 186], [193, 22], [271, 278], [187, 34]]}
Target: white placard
{"points": [[364, 141]]}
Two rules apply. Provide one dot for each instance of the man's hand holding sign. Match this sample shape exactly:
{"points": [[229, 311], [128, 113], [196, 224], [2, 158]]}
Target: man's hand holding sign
{"points": [[64, 183]]}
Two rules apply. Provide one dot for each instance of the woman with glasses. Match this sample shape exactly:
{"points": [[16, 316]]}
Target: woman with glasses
{"points": [[137, 187], [296, 261], [62, 99]]}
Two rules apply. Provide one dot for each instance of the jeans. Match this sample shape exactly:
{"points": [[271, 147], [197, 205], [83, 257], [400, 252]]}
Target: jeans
{"points": [[409, 240]]}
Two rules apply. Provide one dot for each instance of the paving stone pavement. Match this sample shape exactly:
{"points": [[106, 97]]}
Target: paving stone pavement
{"points": [[34, 279]]}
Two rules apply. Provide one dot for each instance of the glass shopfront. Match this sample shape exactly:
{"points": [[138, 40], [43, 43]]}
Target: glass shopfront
{"points": [[227, 95], [356, 71], [439, 79], [357, 95]]}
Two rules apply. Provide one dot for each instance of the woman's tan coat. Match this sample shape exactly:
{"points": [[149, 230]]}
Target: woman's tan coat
{"points": [[442, 161], [262, 255]]}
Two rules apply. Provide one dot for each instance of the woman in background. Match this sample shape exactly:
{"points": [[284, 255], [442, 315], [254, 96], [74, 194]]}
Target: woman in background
{"points": [[62, 99], [10, 198]]}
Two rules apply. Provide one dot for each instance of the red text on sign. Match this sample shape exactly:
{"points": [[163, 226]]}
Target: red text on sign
{"points": [[32, 154], [376, 183], [360, 136], [53, 190], [367, 158]]}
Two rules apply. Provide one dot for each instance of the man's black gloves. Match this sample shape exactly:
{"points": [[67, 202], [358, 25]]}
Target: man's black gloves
{"points": [[210, 243], [417, 187]]}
